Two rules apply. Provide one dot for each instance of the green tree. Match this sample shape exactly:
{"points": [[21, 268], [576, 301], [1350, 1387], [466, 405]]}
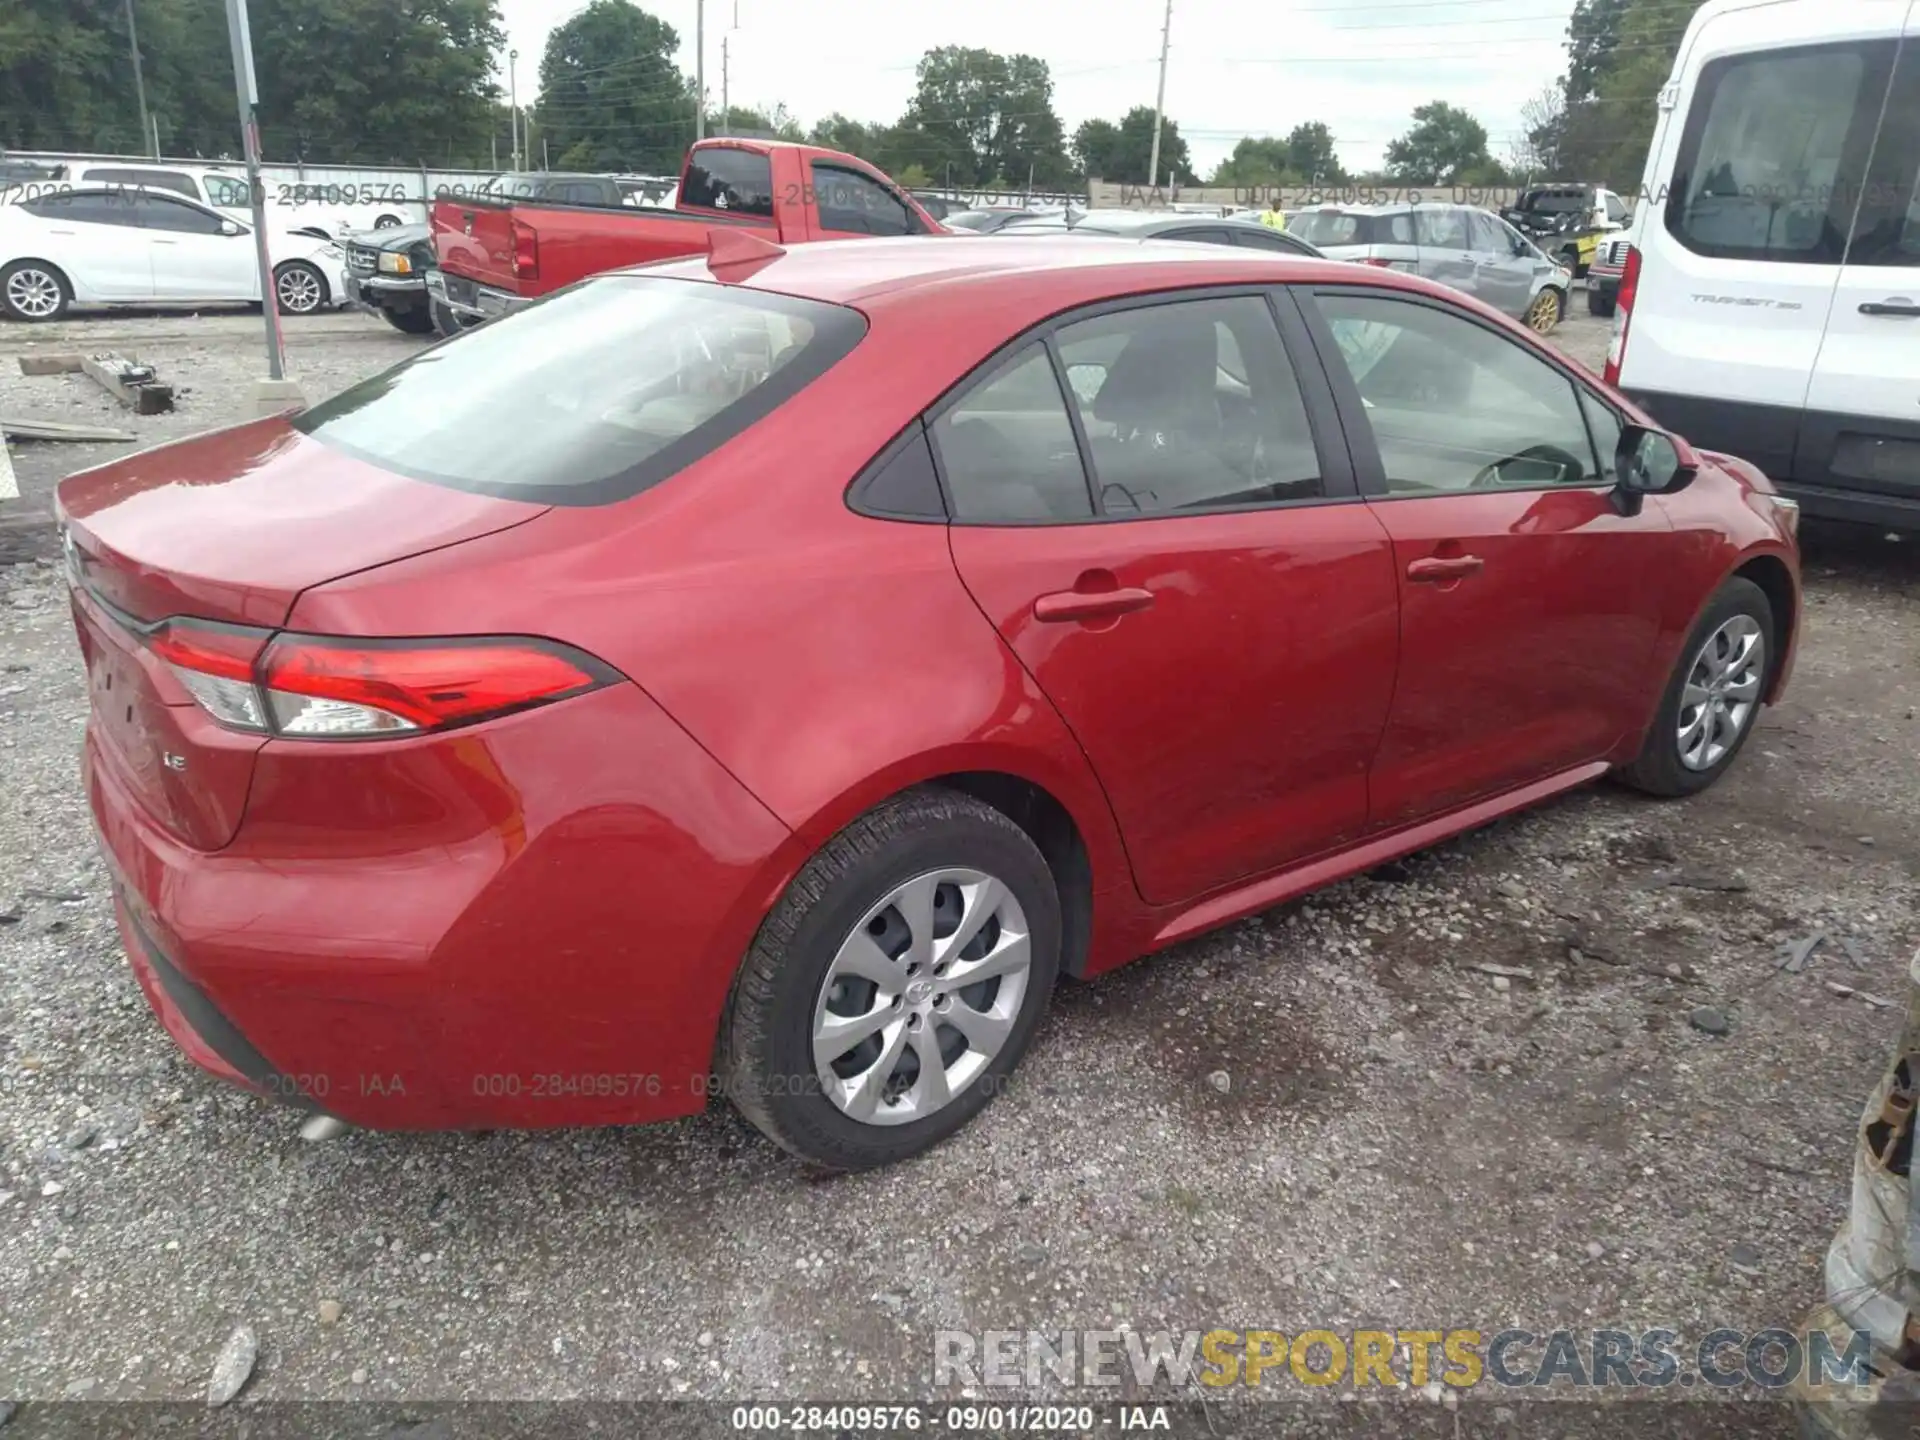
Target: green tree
{"points": [[373, 81], [1311, 156], [984, 118], [1606, 134], [1257, 160], [611, 97], [1592, 36], [1444, 144], [1121, 152]]}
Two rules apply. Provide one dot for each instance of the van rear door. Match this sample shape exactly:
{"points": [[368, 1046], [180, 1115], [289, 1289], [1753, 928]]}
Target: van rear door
{"points": [[1862, 429], [1752, 199]]}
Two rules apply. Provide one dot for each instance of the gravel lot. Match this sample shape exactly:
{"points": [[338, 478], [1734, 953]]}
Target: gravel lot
{"points": [[1401, 1140]]}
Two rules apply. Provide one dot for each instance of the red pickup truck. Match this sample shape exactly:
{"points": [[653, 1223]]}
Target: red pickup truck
{"points": [[496, 251]]}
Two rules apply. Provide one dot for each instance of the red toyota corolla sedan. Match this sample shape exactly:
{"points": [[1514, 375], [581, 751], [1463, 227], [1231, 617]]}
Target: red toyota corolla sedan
{"points": [[767, 674]]}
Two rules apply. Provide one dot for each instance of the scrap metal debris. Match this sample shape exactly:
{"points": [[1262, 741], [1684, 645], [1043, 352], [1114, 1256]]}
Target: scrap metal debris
{"points": [[1794, 954], [137, 387]]}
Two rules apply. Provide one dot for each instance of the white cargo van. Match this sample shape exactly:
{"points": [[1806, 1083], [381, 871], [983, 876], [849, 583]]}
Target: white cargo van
{"points": [[1770, 304]]}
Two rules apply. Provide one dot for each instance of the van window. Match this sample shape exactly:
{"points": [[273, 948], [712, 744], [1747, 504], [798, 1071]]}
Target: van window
{"points": [[1324, 228], [1887, 231], [592, 394], [1771, 160], [173, 180]]}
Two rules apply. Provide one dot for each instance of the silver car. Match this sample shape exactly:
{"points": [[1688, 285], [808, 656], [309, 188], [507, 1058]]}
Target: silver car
{"points": [[1472, 250]]}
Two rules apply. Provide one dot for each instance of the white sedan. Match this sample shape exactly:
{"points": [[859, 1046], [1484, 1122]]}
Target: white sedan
{"points": [[111, 245]]}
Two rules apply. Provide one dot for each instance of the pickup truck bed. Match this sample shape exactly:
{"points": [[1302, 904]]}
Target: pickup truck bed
{"points": [[496, 253]]}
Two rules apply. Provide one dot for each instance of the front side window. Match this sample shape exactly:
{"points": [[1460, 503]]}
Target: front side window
{"points": [[1008, 451], [590, 395], [1190, 406], [1771, 160], [162, 212], [1327, 228], [724, 177], [145, 179], [1489, 236], [1454, 406], [858, 203]]}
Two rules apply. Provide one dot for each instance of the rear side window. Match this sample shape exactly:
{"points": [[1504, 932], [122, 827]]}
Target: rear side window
{"points": [[1887, 231], [1442, 229], [90, 207], [720, 177], [1329, 227], [591, 395], [1772, 158], [1008, 450]]}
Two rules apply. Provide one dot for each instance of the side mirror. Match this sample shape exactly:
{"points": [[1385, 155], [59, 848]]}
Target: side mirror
{"points": [[1651, 462], [227, 227]]}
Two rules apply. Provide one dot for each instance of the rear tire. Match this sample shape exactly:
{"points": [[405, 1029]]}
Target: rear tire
{"points": [[1600, 305], [801, 979], [1687, 750], [34, 292], [1570, 257]]}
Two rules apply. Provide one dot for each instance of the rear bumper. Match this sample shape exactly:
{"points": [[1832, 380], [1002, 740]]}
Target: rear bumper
{"points": [[470, 299], [531, 923]]}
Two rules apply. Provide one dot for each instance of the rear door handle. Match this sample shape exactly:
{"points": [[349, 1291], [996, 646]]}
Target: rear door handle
{"points": [[1901, 306], [1069, 605], [1436, 568]]}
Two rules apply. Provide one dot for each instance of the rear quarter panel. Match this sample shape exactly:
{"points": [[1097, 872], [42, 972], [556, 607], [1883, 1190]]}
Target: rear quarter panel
{"points": [[826, 659]]}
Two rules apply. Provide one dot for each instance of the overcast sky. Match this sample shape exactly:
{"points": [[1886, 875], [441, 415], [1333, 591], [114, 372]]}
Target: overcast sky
{"points": [[1237, 67]]}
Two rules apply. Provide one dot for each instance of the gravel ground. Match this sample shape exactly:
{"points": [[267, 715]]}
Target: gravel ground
{"points": [[1320, 1117]]}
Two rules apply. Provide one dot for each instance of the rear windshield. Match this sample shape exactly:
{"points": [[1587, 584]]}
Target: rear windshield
{"points": [[592, 394], [1323, 228], [1555, 202]]}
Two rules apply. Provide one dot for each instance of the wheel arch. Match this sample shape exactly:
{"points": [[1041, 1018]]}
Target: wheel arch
{"points": [[1071, 825], [1775, 580]]}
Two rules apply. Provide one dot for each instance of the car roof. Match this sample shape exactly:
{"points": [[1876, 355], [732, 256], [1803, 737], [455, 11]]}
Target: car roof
{"points": [[1013, 275]]}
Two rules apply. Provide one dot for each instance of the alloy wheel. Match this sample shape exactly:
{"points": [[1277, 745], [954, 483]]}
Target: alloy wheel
{"points": [[34, 293], [1722, 692], [1544, 313], [921, 996], [298, 289]]}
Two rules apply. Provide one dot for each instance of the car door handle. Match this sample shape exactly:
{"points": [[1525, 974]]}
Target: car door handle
{"points": [[1068, 605], [1900, 306], [1436, 568]]}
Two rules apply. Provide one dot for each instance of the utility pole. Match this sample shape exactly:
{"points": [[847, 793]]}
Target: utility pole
{"points": [[725, 112], [276, 393], [700, 69], [1160, 100], [140, 84], [513, 102]]}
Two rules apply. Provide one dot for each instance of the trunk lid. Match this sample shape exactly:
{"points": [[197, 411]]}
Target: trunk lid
{"points": [[229, 528], [475, 240]]}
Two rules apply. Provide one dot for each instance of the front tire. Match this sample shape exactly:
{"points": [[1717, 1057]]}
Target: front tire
{"points": [[1712, 700], [299, 288], [1544, 312], [446, 322], [412, 322], [34, 292], [895, 985], [1570, 257]]}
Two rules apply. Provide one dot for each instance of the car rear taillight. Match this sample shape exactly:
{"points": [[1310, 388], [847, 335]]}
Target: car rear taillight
{"points": [[1623, 314], [335, 687], [526, 251], [215, 664]]}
